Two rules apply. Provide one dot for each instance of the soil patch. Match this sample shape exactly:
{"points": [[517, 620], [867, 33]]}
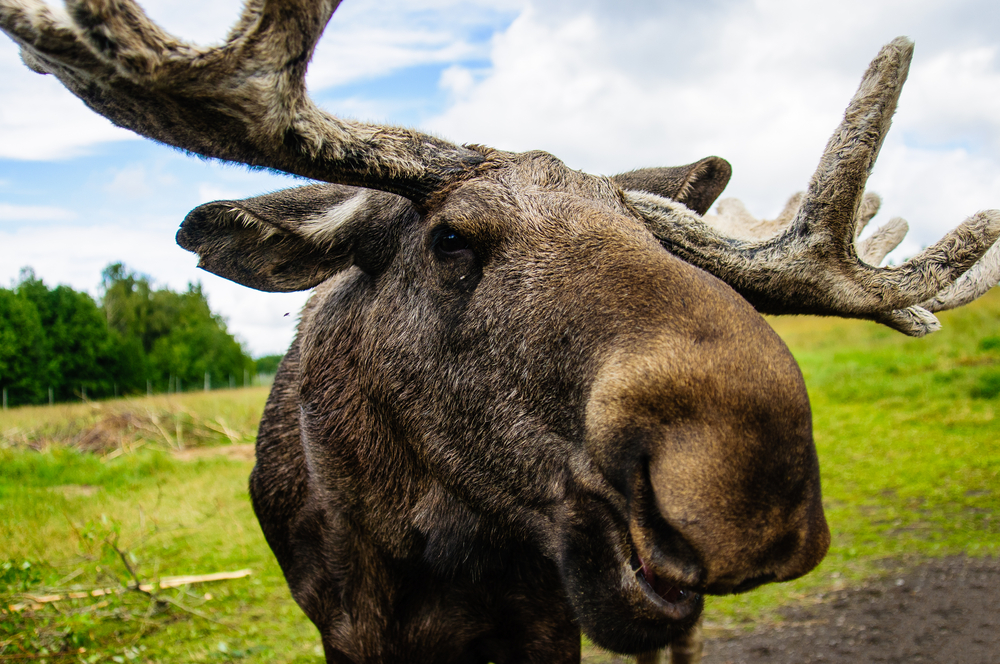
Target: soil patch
{"points": [[942, 611], [237, 452]]}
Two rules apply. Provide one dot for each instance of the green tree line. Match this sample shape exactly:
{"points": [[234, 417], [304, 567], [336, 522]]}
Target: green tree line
{"points": [[136, 338]]}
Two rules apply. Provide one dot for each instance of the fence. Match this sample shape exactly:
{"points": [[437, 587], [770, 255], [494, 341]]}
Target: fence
{"points": [[174, 386]]}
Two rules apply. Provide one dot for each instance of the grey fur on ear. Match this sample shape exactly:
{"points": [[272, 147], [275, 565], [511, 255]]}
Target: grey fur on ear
{"points": [[695, 185], [293, 239]]}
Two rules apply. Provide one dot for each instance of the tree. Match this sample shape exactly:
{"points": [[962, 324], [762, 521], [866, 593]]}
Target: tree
{"points": [[269, 364], [63, 340], [22, 362], [177, 333], [78, 352]]}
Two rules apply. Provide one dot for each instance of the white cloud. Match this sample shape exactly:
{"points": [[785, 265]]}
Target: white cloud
{"points": [[610, 86], [10, 212], [208, 192], [371, 52], [954, 96], [366, 40], [39, 120], [130, 182], [195, 21], [264, 321]]}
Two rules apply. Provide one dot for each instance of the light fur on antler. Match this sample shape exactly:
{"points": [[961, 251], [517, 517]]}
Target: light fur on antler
{"points": [[732, 218], [243, 101], [813, 265]]}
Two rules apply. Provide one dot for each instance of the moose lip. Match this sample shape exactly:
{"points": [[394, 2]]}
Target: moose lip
{"points": [[677, 602]]}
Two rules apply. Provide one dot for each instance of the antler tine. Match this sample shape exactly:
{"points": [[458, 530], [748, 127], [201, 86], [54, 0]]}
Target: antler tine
{"points": [[912, 321], [814, 266], [983, 276], [244, 101], [832, 202], [735, 220], [836, 190], [874, 248], [870, 204]]}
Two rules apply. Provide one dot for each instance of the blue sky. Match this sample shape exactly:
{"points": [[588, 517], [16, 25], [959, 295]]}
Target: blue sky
{"points": [[606, 86]]}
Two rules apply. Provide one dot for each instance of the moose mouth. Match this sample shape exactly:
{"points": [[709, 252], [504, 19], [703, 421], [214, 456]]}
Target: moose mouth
{"points": [[677, 602]]}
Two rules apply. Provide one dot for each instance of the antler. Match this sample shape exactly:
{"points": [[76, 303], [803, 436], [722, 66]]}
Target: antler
{"points": [[243, 101], [733, 219], [813, 266]]}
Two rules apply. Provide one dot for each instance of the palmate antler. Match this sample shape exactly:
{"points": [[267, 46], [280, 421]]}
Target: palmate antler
{"points": [[813, 266], [243, 101]]}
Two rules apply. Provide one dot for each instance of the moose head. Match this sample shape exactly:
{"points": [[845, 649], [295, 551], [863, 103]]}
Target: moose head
{"points": [[523, 400]]}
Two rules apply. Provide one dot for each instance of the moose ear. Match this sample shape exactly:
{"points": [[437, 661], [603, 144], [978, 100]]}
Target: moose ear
{"points": [[696, 185], [292, 239]]}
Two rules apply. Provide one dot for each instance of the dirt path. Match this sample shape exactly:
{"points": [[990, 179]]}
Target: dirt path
{"points": [[237, 452], [944, 611]]}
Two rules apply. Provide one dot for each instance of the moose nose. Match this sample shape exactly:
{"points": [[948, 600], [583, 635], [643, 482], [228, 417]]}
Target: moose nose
{"points": [[744, 522], [732, 481], [709, 437], [720, 527]]}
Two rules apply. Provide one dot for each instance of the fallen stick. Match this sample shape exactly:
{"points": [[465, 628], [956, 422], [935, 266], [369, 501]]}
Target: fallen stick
{"points": [[164, 582], [28, 656]]}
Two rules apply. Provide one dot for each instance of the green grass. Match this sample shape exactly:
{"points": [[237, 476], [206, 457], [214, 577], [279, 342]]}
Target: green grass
{"points": [[906, 429], [72, 522]]}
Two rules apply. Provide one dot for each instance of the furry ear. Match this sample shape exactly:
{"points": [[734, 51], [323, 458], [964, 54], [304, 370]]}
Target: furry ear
{"points": [[293, 239], [696, 185]]}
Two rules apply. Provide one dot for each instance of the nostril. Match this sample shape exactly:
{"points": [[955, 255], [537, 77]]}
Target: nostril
{"points": [[784, 549], [755, 582], [659, 544]]}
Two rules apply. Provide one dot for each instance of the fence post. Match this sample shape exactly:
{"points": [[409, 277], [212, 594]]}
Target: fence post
{"points": [[246, 378], [83, 391], [232, 381], [208, 384], [5, 398], [51, 397], [149, 388], [177, 384]]}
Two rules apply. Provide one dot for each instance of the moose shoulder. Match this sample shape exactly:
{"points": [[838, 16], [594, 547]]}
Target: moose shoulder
{"points": [[523, 400]]}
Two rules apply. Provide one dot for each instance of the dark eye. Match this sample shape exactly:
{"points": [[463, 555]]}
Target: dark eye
{"points": [[449, 243]]}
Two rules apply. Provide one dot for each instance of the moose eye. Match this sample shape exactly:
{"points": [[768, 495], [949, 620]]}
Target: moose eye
{"points": [[449, 244]]}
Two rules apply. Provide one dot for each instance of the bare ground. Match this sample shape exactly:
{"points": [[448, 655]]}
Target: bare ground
{"points": [[945, 611], [236, 452]]}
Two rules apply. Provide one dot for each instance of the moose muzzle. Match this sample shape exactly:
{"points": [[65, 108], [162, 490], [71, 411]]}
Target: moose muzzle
{"points": [[705, 429]]}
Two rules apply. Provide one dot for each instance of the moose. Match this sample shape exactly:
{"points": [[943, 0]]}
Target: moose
{"points": [[523, 401]]}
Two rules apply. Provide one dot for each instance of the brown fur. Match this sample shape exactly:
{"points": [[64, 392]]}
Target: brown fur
{"points": [[463, 452]]}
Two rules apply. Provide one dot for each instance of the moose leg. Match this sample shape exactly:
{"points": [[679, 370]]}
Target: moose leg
{"points": [[685, 649]]}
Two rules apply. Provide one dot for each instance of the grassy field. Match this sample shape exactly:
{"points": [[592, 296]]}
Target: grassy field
{"points": [[93, 496]]}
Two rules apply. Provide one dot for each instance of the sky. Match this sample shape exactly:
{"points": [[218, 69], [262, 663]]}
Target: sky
{"points": [[605, 86]]}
